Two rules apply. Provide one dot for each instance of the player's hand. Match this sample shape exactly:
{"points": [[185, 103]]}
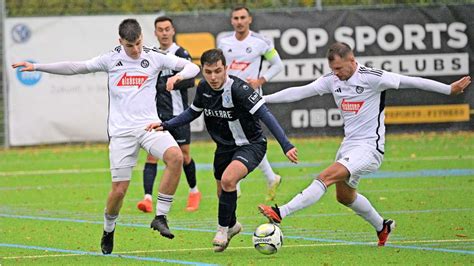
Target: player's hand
{"points": [[460, 85], [154, 126], [256, 83], [27, 66], [292, 155], [171, 81]]}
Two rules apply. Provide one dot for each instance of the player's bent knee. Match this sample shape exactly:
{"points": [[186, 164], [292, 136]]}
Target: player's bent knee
{"points": [[173, 157]]}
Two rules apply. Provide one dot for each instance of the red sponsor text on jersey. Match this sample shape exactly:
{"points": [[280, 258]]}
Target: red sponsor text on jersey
{"points": [[129, 81], [236, 65], [351, 106]]}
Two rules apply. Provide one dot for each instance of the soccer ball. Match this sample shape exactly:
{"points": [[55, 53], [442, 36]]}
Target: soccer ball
{"points": [[267, 238]]}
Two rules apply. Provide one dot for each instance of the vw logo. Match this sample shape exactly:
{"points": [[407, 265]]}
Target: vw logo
{"points": [[21, 33]]}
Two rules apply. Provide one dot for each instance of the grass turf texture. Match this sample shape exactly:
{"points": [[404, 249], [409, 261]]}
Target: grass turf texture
{"points": [[52, 201]]}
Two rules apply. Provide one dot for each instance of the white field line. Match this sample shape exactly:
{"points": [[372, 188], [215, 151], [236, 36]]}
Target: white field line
{"points": [[236, 248], [106, 170]]}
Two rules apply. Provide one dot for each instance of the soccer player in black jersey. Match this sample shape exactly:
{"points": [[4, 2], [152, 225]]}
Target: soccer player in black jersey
{"points": [[170, 104], [232, 110]]}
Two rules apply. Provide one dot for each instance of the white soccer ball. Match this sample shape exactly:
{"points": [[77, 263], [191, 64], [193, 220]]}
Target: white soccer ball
{"points": [[267, 238]]}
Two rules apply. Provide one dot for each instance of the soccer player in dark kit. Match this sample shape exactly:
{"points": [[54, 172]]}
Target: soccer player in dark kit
{"points": [[232, 110]]}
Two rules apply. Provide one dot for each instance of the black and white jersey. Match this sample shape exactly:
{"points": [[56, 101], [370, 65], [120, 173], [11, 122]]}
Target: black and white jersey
{"points": [[170, 104], [228, 112]]}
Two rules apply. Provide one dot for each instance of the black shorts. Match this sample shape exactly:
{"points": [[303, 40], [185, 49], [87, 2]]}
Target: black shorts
{"points": [[182, 134], [250, 155]]}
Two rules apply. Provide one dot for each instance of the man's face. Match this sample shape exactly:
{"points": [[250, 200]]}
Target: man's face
{"points": [[241, 21], [164, 32], [214, 74], [133, 49], [344, 67]]}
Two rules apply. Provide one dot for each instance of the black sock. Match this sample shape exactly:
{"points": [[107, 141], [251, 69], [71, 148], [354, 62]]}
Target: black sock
{"points": [[190, 171], [233, 217], [149, 174], [227, 205]]}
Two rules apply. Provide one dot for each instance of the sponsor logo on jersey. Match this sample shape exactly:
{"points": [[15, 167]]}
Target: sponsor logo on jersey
{"points": [[207, 95], [119, 63], [255, 97], [359, 89], [145, 63], [218, 113], [130, 81], [338, 90], [236, 65], [351, 106]]}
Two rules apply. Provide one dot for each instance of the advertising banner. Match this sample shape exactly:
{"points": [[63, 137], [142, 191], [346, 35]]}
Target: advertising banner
{"points": [[431, 42]]}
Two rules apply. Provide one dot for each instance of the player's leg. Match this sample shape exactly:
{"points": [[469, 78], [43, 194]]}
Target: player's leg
{"points": [[123, 154], [163, 146], [347, 194], [189, 168], [273, 180], [149, 176], [244, 160], [310, 195]]}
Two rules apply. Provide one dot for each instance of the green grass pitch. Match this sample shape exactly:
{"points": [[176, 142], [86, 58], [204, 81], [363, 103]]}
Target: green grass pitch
{"points": [[52, 200]]}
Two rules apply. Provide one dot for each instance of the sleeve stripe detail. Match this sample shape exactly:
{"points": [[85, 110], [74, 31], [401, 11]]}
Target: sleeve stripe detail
{"points": [[197, 109], [257, 106]]}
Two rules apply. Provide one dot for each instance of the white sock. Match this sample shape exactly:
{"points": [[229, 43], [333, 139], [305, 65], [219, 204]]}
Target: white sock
{"points": [[163, 204], [363, 208], [267, 170], [305, 198], [109, 222], [148, 197], [237, 186], [194, 190]]}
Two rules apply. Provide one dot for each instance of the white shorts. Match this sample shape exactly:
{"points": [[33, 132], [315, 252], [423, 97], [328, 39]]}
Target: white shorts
{"points": [[360, 159], [123, 151]]}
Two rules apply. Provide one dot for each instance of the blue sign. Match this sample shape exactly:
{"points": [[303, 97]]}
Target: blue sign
{"points": [[28, 78]]}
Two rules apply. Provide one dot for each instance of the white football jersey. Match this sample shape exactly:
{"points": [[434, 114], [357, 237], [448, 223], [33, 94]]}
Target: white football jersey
{"points": [[244, 58], [361, 100], [131, 84]]}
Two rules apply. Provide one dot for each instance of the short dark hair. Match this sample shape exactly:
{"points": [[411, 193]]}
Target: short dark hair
{"points": [[163, 18], [212, 56], [340, 49], [237, 8], [130, 30]]}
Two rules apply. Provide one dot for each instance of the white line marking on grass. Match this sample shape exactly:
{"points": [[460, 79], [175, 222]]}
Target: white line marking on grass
{"points": [[78, 252], [118, 253], [204, 166], [323, 240]]}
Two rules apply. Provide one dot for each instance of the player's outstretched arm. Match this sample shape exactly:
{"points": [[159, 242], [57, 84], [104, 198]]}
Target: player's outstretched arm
{"points": [[184, 118], [27, 66], [272, 124], [60, 68], [460, 85]]}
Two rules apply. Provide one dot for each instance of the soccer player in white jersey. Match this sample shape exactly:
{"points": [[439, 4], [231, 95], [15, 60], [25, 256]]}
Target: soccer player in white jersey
{"points": [[132, 73], [359, 93], [244, 51]]}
